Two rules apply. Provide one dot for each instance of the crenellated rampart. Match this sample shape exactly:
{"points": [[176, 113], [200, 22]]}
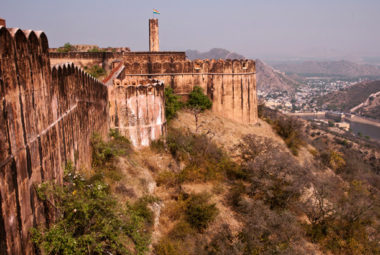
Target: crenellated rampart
{"points": [[108, 60], [47, 116], [231, 84], [138, 111]]}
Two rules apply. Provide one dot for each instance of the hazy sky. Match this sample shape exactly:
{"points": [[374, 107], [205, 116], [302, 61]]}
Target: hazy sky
{"points": [[266, 28]]}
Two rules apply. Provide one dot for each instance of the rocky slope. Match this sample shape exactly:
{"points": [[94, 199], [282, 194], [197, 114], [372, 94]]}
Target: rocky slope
{"points": [[351, 97], [215, 53], [329, 68], [370, 107], [269, 79]]}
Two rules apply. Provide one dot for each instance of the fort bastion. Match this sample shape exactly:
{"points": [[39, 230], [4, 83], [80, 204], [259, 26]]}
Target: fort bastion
{"points": [[51, 108]]}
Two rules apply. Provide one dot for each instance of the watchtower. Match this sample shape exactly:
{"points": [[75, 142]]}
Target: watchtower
{"points": [[154, 42]]}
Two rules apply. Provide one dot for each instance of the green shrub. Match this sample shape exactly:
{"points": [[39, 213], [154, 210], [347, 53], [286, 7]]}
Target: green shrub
{"points": [[167, 178], [104, 152], [167, 246], [289, 128], [205, 161], [172, 104], [181, 230], [96, 71], [199, 212], [94, 49], [89, 220], [67, 47], [157, 145], [198, 100]]}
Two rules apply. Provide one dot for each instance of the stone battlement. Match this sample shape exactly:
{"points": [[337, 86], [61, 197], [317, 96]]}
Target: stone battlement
{"points": [[223, 67], [230, 84], [108, 59], [48, 116], [138, 110]]}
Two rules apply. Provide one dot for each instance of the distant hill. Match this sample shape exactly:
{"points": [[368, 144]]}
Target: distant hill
{"points": [[329, 68], [268, 79], [351, 97], [370, 107], [215, 53]]}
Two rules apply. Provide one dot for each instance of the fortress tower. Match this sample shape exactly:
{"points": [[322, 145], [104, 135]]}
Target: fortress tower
{"points": [[154, 42]]}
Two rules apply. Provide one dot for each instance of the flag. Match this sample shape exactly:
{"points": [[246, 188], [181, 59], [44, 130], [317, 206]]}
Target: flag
{"points": [[155, 11]]}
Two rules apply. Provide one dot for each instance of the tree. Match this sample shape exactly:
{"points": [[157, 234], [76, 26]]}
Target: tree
{"points": [[198, 100], [197, 103], [172, 104]]}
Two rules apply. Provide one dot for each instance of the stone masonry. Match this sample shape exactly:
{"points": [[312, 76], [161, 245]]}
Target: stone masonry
{"points": [[154, 43]]}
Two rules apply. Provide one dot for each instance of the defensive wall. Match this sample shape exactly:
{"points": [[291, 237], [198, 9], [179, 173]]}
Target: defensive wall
{"points": [[47, 117], [231, 84], [138, 111], [108, 60]]}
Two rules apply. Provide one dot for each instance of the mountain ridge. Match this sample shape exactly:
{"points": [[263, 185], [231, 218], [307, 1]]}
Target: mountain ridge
{"points": [[329, 68], [268, 79]]}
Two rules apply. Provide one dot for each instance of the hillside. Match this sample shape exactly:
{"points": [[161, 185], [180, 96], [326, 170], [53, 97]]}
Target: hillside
{"points": [[350, 97], [223, 188], [370, 107], [329, 68], [269, 80], [215, 53]]}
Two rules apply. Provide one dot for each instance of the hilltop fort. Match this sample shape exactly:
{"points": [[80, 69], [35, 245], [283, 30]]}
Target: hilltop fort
{"points": [[51, 107]]}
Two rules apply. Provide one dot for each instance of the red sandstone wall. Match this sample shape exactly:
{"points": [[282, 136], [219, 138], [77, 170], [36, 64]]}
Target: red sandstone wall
{"points": [[46, 118], [138, 111], [107, 58], [231, 84]]}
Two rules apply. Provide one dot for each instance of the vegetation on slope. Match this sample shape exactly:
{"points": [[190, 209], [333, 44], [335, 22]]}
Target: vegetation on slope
{"points": [[289, 128], [264, 200], [172, 104], [327, 203], [89, 218]]}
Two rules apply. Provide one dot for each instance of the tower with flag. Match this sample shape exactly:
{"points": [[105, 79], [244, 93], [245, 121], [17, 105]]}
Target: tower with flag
{"points": [[154, 43]]}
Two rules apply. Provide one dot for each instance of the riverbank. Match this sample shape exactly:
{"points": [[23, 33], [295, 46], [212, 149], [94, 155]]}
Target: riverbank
{"points": [[362, 120]]}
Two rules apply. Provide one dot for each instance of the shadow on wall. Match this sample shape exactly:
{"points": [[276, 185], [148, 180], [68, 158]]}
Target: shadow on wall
{"points": [[47, 118]]}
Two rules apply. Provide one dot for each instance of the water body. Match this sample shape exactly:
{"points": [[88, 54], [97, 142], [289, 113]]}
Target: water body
{"points": [[366, 130], [356, 127]]}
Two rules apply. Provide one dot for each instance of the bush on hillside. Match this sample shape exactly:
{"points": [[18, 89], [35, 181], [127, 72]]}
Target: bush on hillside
{"points": [[204, 159], [89, 220], [198, 100], [172, 104], [289, 128], [199, 212]]}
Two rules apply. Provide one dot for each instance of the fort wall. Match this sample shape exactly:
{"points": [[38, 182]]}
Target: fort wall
{"points": [[108, 60], [47, 116], [231, 84], [138, 111]]}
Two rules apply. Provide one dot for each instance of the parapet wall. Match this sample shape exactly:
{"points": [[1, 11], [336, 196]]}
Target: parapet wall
{"points": [[138, 111], [231, 84], [47, 117], [106, 59]]}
